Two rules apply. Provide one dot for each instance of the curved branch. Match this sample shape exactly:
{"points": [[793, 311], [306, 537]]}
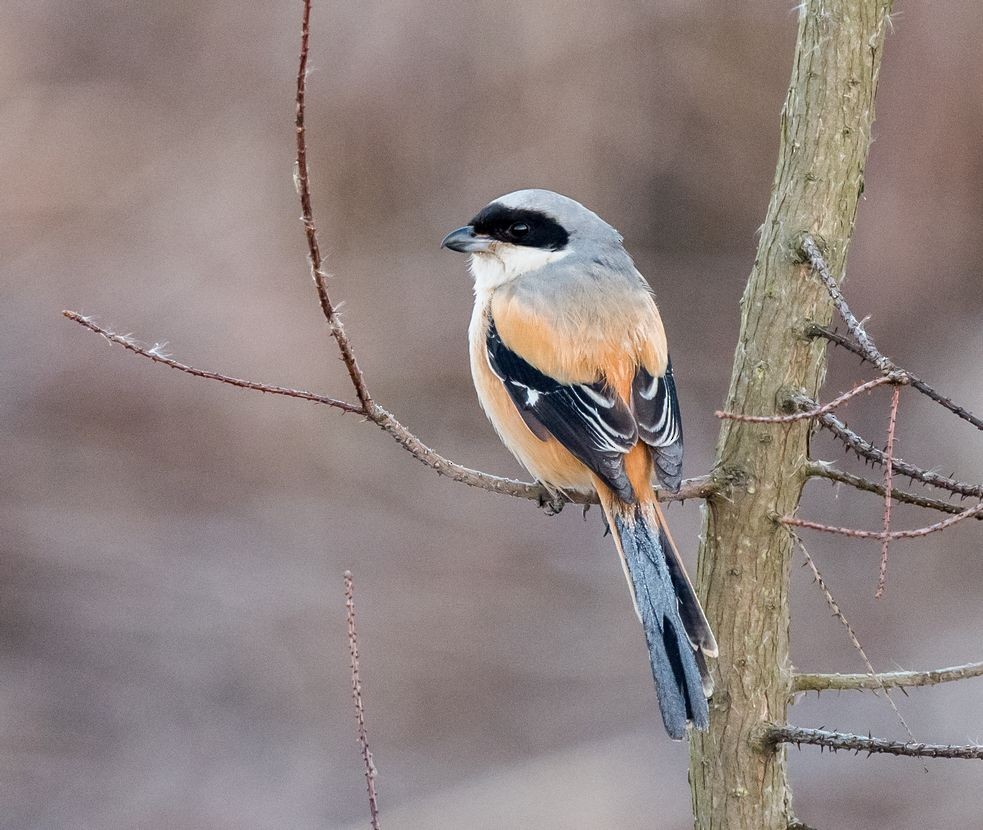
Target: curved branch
{"points": [[810, 682], [698, 488], [303, 182], [835, 741], [821, 469]]}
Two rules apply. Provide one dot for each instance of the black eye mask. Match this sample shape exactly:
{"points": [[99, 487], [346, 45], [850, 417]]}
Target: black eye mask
{"points": [[529, 228]]}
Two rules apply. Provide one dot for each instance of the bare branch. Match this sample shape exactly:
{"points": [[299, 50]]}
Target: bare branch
{"points": [[835, 608], [819, 265], [303, 182], [156, 356], [816, 411], [810, 682], [836, 741], [822, 469], [863, 448], [888, 487], [853, 533], [371, 773], [698, 488], [915, 381]]}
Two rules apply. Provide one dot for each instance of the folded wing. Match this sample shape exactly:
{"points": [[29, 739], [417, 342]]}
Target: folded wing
{"points": [[659, 423], [588, 419]]}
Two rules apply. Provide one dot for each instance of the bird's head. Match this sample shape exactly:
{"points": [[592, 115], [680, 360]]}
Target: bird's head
{"points": [[525, 231]]}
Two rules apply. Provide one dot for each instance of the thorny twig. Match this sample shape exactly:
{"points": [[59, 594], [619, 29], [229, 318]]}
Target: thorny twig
{"points": [[819, 265], [888, 487], [968, 513], [823, 469], [155, 355], [836, 741], [835, 608], [371, 773], [915, 381], [303, 183], [811, 413], [817, 682], [863, 448]]}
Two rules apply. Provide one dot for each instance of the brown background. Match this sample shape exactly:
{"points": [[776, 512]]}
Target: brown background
{"points": [[172, 648]]}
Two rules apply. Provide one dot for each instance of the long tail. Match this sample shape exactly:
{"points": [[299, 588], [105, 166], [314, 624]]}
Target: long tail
{"points": [[676, 630]]}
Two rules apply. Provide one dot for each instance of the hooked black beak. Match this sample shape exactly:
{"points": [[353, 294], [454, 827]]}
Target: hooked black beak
{"points": [[466, 241]]}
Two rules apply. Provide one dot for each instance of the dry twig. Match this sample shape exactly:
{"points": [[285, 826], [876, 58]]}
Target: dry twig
{"points": [[854, 640], [888, 487], [820, 267], [835, 741], [817, 682], [975, 510], [822, 469], [371, 773], [916, 382], [864, 449], [811, 413]]}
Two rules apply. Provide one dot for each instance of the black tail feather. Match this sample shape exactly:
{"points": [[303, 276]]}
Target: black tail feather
{"points": [[675, 662]]}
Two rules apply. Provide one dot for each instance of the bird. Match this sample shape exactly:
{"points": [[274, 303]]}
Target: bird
{"points": [[571, 365]]}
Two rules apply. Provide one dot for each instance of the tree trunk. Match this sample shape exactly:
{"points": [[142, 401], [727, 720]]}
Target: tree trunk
{"points": [[743, 569]]}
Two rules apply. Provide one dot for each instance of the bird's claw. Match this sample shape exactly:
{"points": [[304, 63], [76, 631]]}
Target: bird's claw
{"points": [[551, 503]]}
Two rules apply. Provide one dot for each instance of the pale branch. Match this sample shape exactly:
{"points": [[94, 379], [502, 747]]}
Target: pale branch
{"points": [[822, 469], [863, 448], [805, 414], [915, 381], [820, 267], [303, 183], [703, 487], [854, 533], [888, 488], [851, 634], [836, 741], [371, 773], [154, 354], [817, 682]]}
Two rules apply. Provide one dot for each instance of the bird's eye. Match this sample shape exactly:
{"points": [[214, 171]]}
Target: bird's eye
{"points": [[518, 230]]}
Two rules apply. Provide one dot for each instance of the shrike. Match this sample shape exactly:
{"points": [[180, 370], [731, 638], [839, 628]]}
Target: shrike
{"points": [[570, 362]]}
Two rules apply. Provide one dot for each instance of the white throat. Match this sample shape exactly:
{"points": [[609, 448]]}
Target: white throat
{"points": [[507, 262]]}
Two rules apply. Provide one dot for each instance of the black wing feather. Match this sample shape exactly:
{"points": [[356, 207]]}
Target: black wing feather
{"points": [[660, 424], [586, 418]]}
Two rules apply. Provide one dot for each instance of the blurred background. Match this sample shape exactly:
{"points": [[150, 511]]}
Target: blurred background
{"points": [[172, 635]]}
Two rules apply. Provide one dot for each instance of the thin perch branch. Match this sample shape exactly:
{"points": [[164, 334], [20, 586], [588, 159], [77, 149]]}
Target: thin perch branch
{"points": [[815, 412], [698, 488], [822, 469], [836, 741], [371, 773], [915, 381], [810, 682]]}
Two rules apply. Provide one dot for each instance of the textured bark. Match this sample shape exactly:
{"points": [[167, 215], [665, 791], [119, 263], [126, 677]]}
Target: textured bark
{"points": [[739, 781]]}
